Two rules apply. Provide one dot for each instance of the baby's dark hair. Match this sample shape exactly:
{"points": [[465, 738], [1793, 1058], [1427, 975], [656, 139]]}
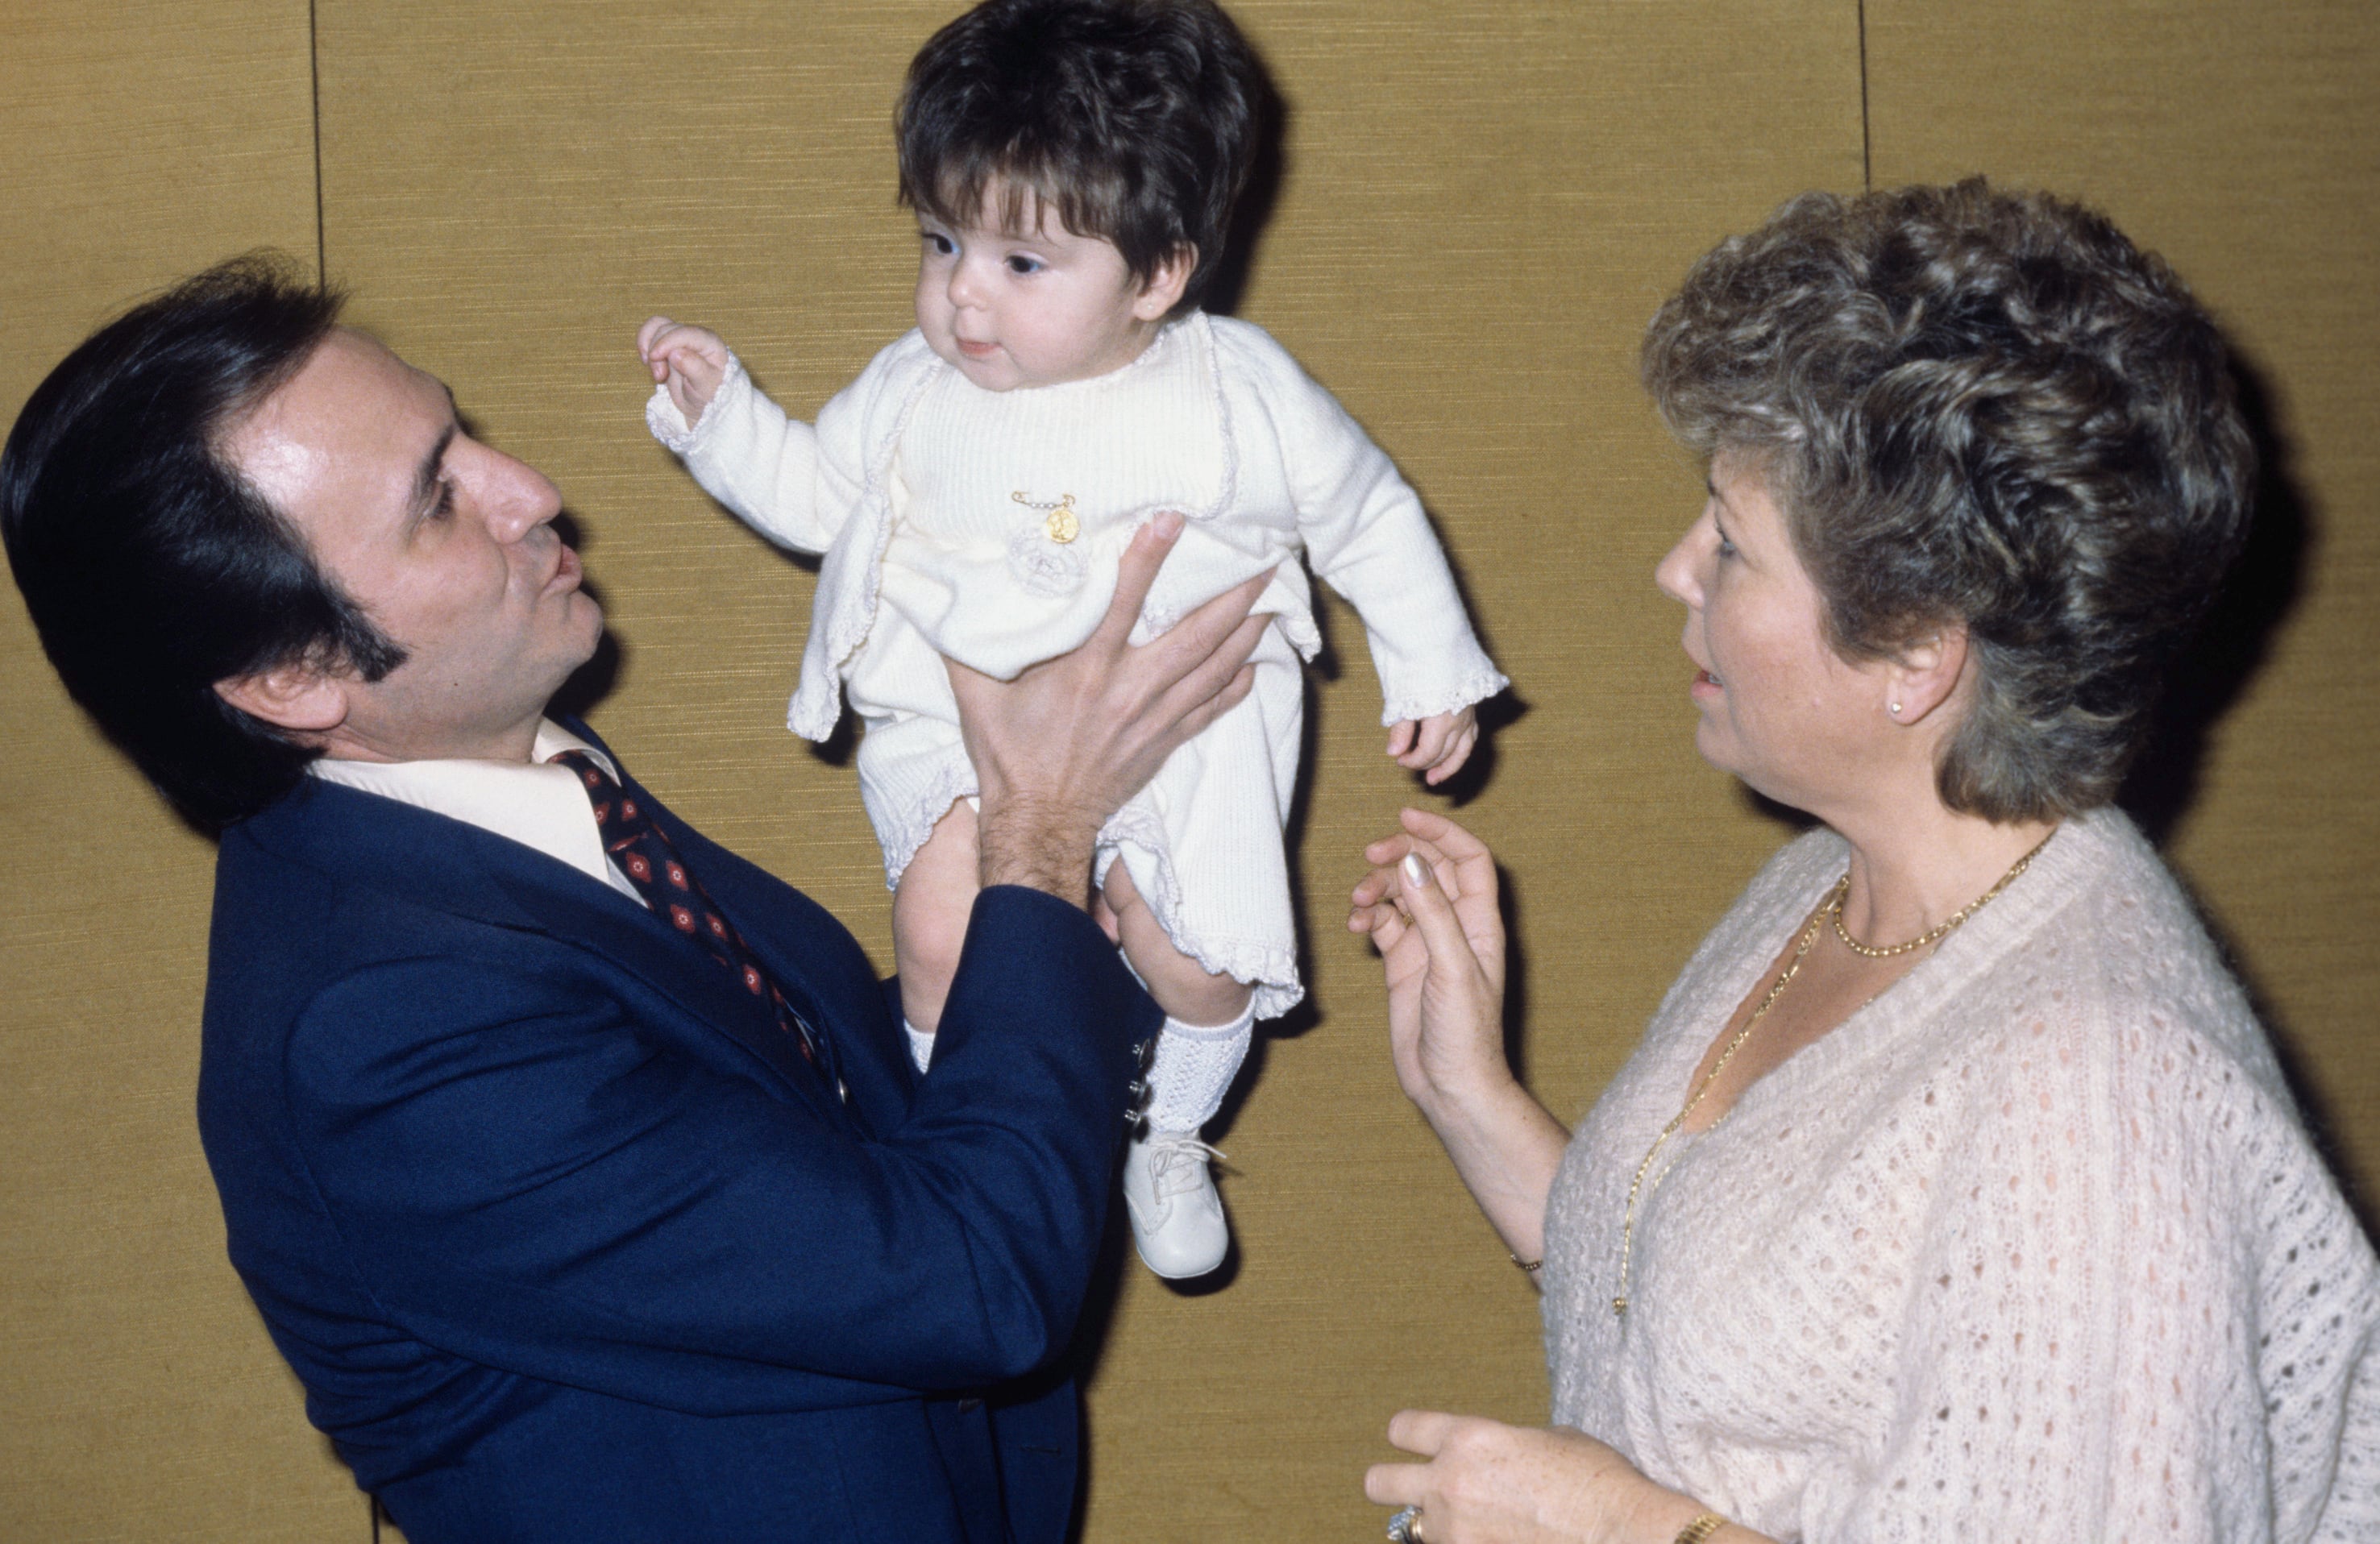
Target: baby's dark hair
{"points": [[1131, 120]]}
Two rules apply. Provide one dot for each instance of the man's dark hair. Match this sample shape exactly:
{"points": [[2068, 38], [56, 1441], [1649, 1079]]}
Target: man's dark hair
{"points": [[1133, 121], [152, 568]]}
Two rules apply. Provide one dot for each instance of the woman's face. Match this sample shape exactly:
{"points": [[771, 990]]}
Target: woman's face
{"points": [[1781, 709]]}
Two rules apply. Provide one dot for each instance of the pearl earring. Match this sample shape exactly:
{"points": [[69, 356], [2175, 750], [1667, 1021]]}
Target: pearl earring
{"points": [[1894, 710]]}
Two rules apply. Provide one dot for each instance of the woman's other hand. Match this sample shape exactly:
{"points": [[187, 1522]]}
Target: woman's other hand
{"points": [[1061, 747], [1482, 1482]]}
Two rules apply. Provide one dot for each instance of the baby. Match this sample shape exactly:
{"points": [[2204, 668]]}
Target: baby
{"points": [[1073, 164]]}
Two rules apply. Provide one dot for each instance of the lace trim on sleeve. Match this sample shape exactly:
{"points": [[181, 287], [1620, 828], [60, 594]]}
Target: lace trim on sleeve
{"points": [[669, 425]]}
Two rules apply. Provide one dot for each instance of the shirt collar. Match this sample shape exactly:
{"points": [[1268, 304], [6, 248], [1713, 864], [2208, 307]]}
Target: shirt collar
{"points": [[533, 802]]}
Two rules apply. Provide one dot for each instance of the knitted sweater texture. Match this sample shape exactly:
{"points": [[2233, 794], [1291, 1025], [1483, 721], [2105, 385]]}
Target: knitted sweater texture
{"points": [[1216, 421], [2032, 1247]]}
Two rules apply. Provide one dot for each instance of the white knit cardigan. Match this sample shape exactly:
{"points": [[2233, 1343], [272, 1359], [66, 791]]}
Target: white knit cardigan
{"points": [[1264, 462], [2032, 1247]]}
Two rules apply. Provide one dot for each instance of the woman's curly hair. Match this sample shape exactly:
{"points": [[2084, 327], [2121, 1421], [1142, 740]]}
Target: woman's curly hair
{"points": [[1982, 408]]}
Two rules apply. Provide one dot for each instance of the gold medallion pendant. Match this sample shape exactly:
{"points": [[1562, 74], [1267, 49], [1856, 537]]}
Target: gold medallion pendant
{"points": [[1060, 524]]}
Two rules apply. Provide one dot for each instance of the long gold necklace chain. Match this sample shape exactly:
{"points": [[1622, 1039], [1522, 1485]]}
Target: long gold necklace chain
{"points": [[1829, 909], [1793, 968], [1931, 935]]}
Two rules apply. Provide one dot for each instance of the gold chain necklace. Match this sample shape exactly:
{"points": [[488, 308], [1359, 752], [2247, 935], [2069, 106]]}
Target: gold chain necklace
{"points": [[1829, 909], [1933, 935], [1793, 968]]}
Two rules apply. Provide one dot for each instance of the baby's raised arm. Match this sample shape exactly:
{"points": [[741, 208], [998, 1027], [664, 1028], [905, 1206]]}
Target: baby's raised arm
{"points": [[689, 360]]}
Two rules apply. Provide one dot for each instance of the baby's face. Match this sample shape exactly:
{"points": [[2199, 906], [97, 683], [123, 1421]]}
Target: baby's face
{"points": [[1033, 307]]}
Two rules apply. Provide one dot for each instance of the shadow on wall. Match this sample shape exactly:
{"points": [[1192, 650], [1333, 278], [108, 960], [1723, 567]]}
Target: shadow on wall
{"points": [[2239, 632], [2239, 635], [1254, 210]]}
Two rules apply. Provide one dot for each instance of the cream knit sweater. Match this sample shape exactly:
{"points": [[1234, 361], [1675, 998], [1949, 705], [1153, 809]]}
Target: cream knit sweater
{"points": [[937, 505], [1216, 421], [2032, 1247]]}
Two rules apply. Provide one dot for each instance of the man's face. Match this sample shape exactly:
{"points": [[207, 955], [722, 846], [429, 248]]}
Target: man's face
{"points": [[448, 545]]}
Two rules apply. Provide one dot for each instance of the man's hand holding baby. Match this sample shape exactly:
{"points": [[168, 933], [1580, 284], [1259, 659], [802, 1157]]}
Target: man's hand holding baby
{"points": [[691, 361], [1434, 747]]}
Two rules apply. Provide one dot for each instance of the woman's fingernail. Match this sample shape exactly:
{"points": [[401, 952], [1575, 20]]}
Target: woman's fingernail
{"points": [[1415, 873]]}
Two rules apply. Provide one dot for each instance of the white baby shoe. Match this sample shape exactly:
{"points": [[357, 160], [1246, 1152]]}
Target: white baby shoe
{"points": [[1177, 1219]]}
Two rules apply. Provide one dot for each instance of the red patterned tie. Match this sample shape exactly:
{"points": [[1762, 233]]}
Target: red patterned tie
{"points": [[643, 852]]}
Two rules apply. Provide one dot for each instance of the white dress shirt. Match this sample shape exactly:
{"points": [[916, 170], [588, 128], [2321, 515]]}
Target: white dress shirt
{"points": [[535, 803]]}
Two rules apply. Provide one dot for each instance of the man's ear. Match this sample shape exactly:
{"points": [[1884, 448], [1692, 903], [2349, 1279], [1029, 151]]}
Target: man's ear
{"points": [[1163, 290], [301, 698], [1924, 673]]}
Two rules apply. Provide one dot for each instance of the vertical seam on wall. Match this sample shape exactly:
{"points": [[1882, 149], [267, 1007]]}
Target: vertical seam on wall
{"points": [[1868, 154], [321, 254]]}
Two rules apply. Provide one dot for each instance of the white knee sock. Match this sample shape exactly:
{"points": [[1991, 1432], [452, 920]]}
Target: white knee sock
{"points": [[1193, 1069]]}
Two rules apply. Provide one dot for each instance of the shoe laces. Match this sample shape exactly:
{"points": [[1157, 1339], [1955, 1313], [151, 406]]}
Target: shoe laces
{"points": [[1175, 1162]]}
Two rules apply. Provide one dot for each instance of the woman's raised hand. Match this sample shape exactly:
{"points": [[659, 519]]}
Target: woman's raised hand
{"points": [[1429, 905]]}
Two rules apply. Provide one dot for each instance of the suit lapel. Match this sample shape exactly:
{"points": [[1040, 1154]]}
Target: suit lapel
{"points": [[453, 866], [570, 906]]}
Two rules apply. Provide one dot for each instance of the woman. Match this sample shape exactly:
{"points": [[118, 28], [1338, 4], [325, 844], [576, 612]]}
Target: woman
{"points": [[1953, 1189]]}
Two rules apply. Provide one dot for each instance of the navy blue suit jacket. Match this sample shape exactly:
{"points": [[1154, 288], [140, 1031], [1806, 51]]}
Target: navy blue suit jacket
{"points": [[567, 1242]]}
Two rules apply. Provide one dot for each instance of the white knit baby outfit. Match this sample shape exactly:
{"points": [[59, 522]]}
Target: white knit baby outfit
{"points": [[984, 527], [2032, 1246]]}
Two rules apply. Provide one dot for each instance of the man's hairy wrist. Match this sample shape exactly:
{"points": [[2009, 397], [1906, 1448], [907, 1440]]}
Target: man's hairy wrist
{"points": [[1041, 845]]}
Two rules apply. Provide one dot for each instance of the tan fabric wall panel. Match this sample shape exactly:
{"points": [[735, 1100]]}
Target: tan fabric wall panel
{"points": [[2241, 139], [138, 1395], [1480, 206], [1478, 209]]}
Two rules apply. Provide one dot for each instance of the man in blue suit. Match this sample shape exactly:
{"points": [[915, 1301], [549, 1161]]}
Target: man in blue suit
{"points": [[578, 1167]]}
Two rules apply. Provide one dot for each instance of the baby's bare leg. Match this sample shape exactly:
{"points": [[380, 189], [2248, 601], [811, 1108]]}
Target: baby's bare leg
{"points": [[931, 908], [1182, 986]]}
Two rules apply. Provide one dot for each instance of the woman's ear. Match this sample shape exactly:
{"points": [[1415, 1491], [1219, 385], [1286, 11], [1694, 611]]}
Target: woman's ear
{"points": [[295, 697], [1161, 291], [1924, 673]]}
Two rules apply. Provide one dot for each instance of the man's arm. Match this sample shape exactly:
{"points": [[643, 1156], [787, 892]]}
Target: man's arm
{"points": [[538, 1164], [1061, 747]]}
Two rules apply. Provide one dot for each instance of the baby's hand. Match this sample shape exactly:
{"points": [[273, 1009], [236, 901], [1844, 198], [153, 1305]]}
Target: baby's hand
{"points": [[691, 361], [1434, 747]]}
